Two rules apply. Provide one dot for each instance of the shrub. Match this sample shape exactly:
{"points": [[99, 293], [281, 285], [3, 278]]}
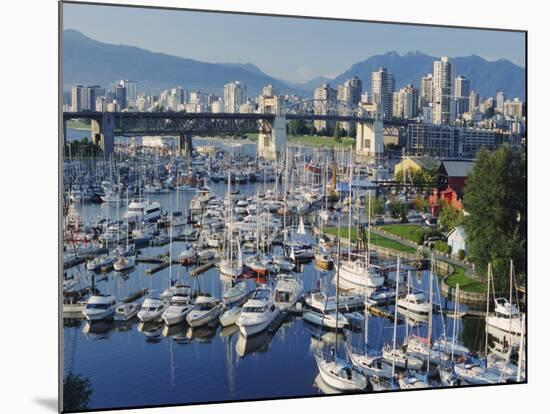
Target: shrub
{"points": [[461, 254], [442, 247]]}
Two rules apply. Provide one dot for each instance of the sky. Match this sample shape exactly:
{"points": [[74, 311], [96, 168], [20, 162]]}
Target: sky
{"points": [[290, 49]]}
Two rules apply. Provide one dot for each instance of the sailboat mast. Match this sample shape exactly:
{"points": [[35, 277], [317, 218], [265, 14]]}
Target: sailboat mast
{"points": [[337, 292], [349, 204], [430, 314], [395, 321]]}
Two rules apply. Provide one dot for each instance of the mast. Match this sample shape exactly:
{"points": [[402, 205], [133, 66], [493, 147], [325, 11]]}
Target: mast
{"points": [[395, 323], [489, 273], [520, 355], [349, 204], [337, 292], [430, 313], [457, 300]]}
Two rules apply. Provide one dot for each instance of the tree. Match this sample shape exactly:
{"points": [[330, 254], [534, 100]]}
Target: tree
{"points": [[338, 133], [421, 176], [449, 217], [495, 199], [376, 206], [398, 209], [419, 203], [76, 393]]}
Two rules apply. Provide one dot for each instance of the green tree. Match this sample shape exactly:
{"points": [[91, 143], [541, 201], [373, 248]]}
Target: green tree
{"points": [[338, 133], [449, 217], [376, 206], [419, 202], [76, 393], [496, 202], [422, 176], [398, 209]]}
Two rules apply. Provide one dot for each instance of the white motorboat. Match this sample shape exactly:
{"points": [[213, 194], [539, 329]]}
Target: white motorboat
{"points": [[126, 311], [322, 302], [124, 263], [288, 291], [415, 302], [339, 374], [286, 264], [327, 319], [207, 308], [100, 307], [507, 317], [187, 256], [180, 306], [235, 294], [360, 274], [152, 308], [143, 210], [178, 289], [476, 374], [230, 316], [258, 312]]}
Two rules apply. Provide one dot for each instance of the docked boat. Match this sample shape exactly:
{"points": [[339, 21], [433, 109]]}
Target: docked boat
{"points": [[180, 306], [476, 374], [230, 316], [288, 290], [143, 210], [235, 294], [401, 359], [126, 311], [207, 308], [415, 302], [188, 255], [152, 308], [323, 259], [360, 274], [100, 262], [338, 374], [258, 312], [100, 307], [507, 317], [124, 263], [370, 365], [285, 264]]}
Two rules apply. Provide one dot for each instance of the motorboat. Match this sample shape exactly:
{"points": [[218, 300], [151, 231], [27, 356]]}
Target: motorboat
{"points": [[143, 210], [180, 306], [187, 256], [285, 263], [415, 302], [207, 308], [326, 319], [235, 294], [507, 317], [100, 262], [152, 308], [380, 296], [323, 259], [476, 374], [258, 312], [230, 316], [346, 302], [288, 291], [126, 311], [100, 307]]}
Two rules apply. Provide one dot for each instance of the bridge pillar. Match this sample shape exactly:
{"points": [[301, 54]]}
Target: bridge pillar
{"points": [[103, 132], [186, 144], [272, 144], [370, 137]]}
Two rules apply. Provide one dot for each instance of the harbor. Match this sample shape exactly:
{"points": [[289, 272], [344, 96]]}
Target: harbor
{"points": [[209, 276]]}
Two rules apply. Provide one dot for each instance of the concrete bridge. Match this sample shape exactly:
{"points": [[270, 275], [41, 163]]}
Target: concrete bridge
{"points": [[271, 127]]}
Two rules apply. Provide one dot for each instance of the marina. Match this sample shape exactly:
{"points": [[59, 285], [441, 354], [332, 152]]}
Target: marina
{"points": [[225, 277]]}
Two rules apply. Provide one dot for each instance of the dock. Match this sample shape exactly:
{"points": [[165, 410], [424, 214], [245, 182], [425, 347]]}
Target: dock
{"points": [[201, 269], [133, 296]]}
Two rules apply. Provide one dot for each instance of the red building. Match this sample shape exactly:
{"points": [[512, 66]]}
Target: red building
{"points": [[451, 180]]}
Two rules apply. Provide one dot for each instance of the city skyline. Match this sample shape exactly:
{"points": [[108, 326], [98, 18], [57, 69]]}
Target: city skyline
{"points": [[302, 63]]}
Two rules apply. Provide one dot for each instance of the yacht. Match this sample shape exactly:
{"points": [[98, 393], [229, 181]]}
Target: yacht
{"points": [[507, 317], [126, 311], [152, 308], [187, 256], [288, 291], [100, 262], [207, 308], [100, 307], [143, 210], [415, 302], [323, 259], [401, 359], [230, 316], [258, 312], [124, 263], [358, 273], [180, 306]]}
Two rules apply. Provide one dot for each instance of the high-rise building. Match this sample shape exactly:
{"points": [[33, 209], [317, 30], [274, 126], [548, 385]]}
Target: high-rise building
{"points": [[234, 94], [473, 101], [131, 92], [83, 98], [442, 108], [77, 92], [349, 93], [405, 102], [426, 92], [500, 101], [513, 108], [323, 95], [120, 96], [382, 87], [462, 94]]}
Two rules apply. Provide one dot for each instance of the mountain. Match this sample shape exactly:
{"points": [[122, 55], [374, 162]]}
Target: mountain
{"points": [[87, 61], [485, 77]]}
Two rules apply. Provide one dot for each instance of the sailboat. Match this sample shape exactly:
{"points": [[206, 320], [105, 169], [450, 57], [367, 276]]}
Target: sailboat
{"points": [[335, 372]]}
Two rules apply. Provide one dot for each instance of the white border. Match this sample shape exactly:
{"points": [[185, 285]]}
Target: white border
{"points": [[29, 201]]}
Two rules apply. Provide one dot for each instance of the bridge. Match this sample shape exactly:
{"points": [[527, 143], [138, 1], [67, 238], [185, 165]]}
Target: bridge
{"points": [[270, 125]]}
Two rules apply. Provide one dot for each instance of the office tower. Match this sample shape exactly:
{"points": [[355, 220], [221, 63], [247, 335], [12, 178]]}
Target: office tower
{"points": [[473, 101], [234, 94], [120, 96], [442, 108], [426, 92], [500, 101], [131, 92], [462, 94], [349, 94], [382, 86], [323, 96]]}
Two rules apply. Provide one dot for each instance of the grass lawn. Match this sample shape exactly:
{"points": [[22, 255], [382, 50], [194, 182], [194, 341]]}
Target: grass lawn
{"points": [[409, 232], [315, 141], [374, 239], [76, 123], [466, 283]]}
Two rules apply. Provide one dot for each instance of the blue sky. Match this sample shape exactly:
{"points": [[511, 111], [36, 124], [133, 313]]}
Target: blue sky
{"points": [[296, 50]]}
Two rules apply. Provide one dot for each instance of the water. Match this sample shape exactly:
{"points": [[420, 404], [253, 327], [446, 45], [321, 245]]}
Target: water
{"points": [[131, 364]]}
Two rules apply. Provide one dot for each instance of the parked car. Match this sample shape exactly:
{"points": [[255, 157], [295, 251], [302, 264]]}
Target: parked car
{"points": [[379, 220], [431, 222], [415, 217]]}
